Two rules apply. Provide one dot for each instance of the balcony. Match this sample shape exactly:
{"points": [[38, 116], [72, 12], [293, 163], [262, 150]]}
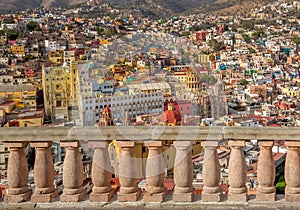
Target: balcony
{"points": [[129, 195]]}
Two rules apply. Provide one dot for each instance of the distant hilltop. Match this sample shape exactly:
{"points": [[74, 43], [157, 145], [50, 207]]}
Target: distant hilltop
{"points": [[157, 8]]}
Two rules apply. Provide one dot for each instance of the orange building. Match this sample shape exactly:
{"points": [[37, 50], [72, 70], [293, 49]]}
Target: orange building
{"points": [[259, 90], [170, 117]]}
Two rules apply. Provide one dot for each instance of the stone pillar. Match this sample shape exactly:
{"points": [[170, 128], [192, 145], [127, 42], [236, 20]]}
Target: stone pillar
{"points": [[155, 173], [183, 172], [101, 173], [292, 171], [72, 173], [237, 172], [43, 173], [17, 173], [128, 171], [266, 172], [211, 173]]}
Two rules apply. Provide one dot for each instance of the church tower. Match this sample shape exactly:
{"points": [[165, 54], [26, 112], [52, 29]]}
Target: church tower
{"points": [[106, 118]]}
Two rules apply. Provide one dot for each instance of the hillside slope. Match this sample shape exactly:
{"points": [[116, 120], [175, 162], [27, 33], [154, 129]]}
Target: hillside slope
{"points": [[157, 8]]}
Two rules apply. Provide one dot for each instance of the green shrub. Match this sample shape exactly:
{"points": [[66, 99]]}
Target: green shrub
{"points": [[280, 186]]}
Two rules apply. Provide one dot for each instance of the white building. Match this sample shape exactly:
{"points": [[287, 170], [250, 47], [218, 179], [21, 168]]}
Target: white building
{"points": [[92, 103], [150, 87], [51, 46]]}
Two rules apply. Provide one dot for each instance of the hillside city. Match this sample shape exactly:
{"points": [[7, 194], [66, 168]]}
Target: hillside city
{"points": [[97, 65]]}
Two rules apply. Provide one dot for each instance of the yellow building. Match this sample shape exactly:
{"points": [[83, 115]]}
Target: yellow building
{"points": [[193, 81], [60, 85], [27, 119], [22, 94], [8, 106], [204, 58], [293, 92], [18, 50], [56, 57]]}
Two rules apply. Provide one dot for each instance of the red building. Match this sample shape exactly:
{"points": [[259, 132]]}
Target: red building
{"points": [[29, 72], [201, 35], [184, 107]]}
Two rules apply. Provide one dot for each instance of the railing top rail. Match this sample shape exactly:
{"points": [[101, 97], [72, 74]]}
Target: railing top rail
{"points": [[143, 133]]}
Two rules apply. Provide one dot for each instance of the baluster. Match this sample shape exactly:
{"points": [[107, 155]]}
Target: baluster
{"points": [[43, 173], [155, 173], [292, 171], [128, 171], [237, 172], [72, 173], [183, 172], [101, 173], [265, 172], [211, 173], [17, 173]]}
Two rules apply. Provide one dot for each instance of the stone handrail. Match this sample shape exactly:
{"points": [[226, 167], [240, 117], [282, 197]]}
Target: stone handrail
{"points": [[134, 133], [151, 137]]}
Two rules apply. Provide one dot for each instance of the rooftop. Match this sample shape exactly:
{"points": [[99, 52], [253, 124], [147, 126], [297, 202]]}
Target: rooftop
{"points": [[17, 88]]}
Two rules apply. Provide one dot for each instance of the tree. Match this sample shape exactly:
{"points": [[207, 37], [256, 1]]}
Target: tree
{"points": [[208, 79], [215, 45], [296, 39], [12, 35], [244, 82], [28, 57], [251, 50], [248, 25], [33, 26], [234, 29], [247, 38], [258, 34]]}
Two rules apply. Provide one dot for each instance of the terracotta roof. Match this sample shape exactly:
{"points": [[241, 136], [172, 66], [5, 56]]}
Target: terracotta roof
{"points": [[170, 116], [106, 109], [17, 88]]}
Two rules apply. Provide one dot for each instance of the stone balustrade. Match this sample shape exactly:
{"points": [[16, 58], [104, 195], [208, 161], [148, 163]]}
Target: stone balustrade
{"points": [[15, 139]]}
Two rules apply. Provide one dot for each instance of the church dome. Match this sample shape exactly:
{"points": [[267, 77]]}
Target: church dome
{"points": [[170, 117]]}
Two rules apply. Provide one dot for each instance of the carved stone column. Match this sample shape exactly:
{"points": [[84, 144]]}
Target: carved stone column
{"points": [[101, 173], [155, 173], [43, 173], [266, 172], [17, 173], [183, 172], [292, 171], [128, 171], [211, 173], [72, 173], [237, 172]]}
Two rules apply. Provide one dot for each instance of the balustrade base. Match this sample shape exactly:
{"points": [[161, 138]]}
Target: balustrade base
{"points": [[292, 197], [73, 198], [183, 197], [238, 197], [157, 197], [216, 197], [18, 198], [42, 198], [265, 197], [105, 197], [131, 197]]}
